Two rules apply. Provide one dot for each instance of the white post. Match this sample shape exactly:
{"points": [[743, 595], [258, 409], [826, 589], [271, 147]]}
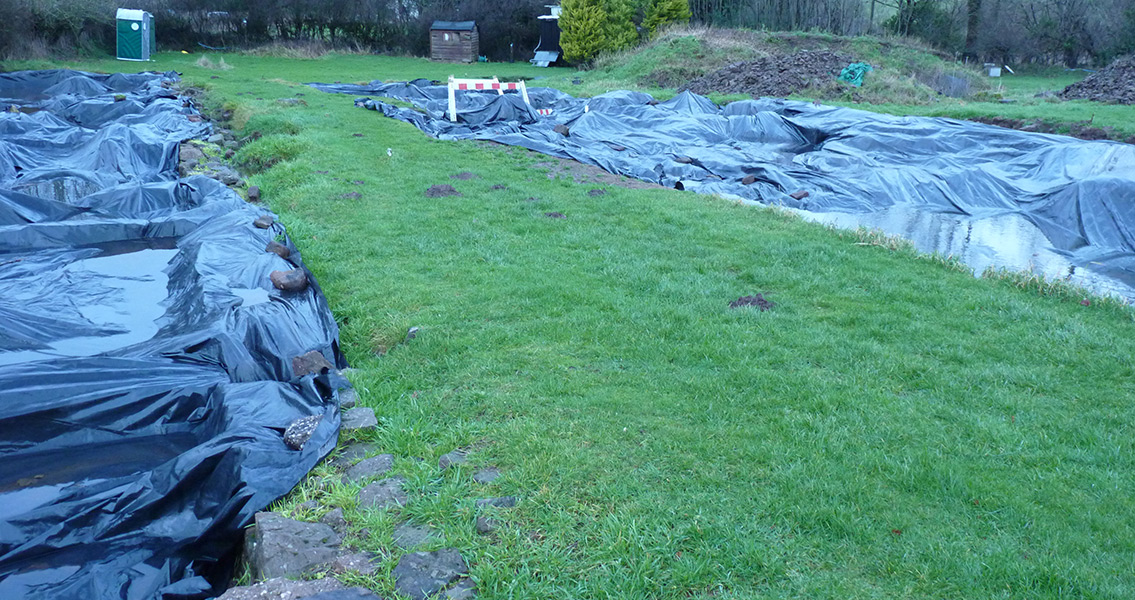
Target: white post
{"points": [[452, 100], [524, 93]]}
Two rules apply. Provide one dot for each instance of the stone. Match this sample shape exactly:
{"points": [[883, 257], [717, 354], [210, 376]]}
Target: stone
{"points": [[462, 590], [685, 160], [352, 453], [228, 176], [311, 505], [562, 129], [408, 536], [348, 398], [299, 432], [800, 195], [420, 575], [232, 144], [311, 363], [278, 249], [279, 587], [216, 138], [355, 593], [457, 457], [254, 193], [502, 502], [359, 418], [487, 475], [189, 152], [370, 467], [596, 192], [264, 221], [229, 154], [359, 562], [383, 494], [281, 547], [294, 280], [485, 525], [749, 180], [335, 520]]}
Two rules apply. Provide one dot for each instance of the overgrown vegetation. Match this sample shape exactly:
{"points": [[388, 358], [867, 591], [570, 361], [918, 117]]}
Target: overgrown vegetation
{"points": [[904, 71], [1069, 32]]}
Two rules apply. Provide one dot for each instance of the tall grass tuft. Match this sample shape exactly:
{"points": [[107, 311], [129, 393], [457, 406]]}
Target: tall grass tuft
{"points": [[206, 63]]}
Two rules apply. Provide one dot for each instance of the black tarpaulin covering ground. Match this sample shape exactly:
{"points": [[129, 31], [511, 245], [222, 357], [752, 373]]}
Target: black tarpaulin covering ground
{"points": [[145, 358], [1079, 194]]}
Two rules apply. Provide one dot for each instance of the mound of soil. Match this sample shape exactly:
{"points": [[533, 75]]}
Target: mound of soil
{"points": [[779, 75], [1115, 84], [758, 301]]}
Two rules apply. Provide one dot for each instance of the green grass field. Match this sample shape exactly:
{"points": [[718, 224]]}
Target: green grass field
{"points": [[892, 428]]}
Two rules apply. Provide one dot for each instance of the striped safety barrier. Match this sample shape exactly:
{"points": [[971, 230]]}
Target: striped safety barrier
{"points": [[483, 84]]}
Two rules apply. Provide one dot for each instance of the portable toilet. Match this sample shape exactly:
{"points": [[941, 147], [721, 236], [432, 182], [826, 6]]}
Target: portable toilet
{"points": [[135, 34]]}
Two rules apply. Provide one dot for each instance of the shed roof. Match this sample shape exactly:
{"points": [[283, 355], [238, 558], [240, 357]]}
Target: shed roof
{"points": [[453, 25]]}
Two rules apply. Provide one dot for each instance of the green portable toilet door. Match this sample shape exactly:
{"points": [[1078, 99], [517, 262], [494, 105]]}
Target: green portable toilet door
{"points": [[132, 35]]}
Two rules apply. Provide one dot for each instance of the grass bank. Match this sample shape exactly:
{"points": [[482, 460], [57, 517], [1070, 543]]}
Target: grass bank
{"points": [[892, 428]]}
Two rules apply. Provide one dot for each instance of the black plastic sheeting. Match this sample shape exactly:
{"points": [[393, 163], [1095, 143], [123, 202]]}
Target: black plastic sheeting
{"points": [[1078, 195], [145, 357]]}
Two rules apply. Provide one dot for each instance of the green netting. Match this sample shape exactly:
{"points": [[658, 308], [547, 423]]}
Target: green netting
{"points": [[854, 73]]}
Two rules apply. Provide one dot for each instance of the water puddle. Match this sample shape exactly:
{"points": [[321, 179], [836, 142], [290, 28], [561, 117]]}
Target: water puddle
{"points": [[62, 189], [122, 291], [251, 297], [1007, 241]]}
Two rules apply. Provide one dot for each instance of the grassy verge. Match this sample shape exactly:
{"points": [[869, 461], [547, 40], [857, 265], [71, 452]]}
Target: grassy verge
{"points": [[892, 428]]}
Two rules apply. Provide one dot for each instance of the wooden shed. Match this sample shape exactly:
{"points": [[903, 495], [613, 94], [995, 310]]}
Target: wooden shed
{"points": [[454, 41]]}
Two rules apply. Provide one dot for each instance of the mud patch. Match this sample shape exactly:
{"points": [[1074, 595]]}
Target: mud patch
{"points": [[555, 215], [1083, 130], [440, 191], [584, 174], [465, 176], [758, 301], [778, 76]]}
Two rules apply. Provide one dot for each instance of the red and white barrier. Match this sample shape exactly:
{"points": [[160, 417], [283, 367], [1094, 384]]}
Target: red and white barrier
{"points": [[483, 84]]}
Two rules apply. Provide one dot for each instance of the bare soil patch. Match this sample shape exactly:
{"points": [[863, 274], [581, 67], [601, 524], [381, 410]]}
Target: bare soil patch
{"points": [[778, 76]]}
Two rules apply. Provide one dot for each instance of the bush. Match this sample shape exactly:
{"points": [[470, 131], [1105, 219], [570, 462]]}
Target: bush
{"points": [[582, 35], [660, 13]]}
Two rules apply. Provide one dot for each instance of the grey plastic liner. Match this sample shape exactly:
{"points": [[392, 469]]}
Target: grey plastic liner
{"points": [[145, 357]]}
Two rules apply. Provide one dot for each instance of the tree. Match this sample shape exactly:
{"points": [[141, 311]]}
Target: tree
{"points": [[665, 12], [582, 33], [619, 29]]}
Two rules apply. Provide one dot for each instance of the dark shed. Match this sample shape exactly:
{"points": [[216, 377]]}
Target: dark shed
{"points": [[454, 41]]}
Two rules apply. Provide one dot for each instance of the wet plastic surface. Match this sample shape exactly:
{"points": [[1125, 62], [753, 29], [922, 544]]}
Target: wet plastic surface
{"points": [[1079, 196], [145, 357]]}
